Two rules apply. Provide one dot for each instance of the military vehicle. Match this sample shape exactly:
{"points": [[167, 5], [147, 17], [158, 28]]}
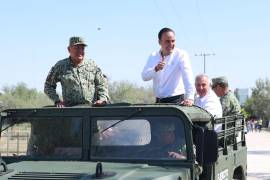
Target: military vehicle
{"points": [[124, 141]]}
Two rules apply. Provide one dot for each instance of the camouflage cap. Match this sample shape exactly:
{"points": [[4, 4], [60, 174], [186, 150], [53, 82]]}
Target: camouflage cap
{"points": [[219, 80], [73, 41]]}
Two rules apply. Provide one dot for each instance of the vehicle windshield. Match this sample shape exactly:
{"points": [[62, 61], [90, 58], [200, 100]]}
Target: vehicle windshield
{"points": [[138, 138]]}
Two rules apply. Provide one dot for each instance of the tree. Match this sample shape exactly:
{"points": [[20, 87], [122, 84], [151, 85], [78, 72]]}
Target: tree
{"points": [[259, 103], [125, 91], [21, 96]]}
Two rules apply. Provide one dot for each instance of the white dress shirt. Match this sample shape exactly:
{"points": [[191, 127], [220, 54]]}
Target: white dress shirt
{"points": [[211, 103], [174, 79]]}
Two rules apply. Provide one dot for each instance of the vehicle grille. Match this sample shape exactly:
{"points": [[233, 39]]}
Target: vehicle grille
{"points": [[46, 175]]}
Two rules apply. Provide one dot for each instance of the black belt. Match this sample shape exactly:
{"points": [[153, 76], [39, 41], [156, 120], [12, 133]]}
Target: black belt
{"points": [[171, 99]]}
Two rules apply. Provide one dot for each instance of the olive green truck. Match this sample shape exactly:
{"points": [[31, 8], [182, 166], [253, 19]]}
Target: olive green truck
{"points": [[122, 141]]}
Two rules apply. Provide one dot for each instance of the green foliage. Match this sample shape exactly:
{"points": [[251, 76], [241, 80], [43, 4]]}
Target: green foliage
{"points": [[125, 91], [21, 96], [259, 103], [245, 113]]}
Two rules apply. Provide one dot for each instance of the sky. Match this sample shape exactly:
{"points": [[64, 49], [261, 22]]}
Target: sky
{"points": [[121, 34]]}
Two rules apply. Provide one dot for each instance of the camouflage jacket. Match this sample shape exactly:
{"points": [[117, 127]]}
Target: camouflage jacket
{"points": [[230, 104], [83, 84]]}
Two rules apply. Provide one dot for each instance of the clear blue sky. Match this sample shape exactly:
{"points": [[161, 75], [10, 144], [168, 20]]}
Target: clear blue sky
{"points": [[34, 36]]}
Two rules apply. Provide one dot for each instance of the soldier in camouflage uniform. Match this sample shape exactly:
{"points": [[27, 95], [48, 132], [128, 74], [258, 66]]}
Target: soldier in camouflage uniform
{"points": [[82, 80], [229, 102]]}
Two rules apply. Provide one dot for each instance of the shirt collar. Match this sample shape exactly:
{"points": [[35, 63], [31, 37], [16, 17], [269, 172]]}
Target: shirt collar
{"points": [[160, 54]]}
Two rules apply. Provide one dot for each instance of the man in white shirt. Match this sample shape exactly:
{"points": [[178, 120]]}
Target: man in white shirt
{"points": [[206, 98], [171, 72]]}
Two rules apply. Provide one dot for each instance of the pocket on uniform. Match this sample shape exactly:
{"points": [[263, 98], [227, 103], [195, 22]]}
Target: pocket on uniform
{"points": [[68, 79]]}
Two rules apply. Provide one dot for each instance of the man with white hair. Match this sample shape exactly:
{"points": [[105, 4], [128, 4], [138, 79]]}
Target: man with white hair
{"points": [[206, 98]]}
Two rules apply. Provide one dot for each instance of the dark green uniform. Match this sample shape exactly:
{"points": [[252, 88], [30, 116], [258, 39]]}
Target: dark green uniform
{"points": [[83, 84]]}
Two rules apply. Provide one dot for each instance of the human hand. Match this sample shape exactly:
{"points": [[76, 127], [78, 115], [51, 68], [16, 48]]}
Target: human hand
{"points": [[176, 155], [187, 102], [100, 103], [160, 65], [107, 134], [59, 104]]}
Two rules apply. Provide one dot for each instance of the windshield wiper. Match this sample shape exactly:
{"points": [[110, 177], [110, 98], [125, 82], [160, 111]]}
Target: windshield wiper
{"points": [[126, 118]]}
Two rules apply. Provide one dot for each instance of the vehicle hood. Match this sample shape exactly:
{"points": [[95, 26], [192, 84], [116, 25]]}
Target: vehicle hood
{"points": [[86, 170]]}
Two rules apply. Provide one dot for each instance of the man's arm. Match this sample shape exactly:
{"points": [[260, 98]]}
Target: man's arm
{"points": [[151, 68], [188, 79], [236, 108], [101, 85], [176, 155], [50, 86]]}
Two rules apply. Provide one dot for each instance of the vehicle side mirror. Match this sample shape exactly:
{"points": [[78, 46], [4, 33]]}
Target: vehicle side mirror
{"points": [[210, 152]]}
